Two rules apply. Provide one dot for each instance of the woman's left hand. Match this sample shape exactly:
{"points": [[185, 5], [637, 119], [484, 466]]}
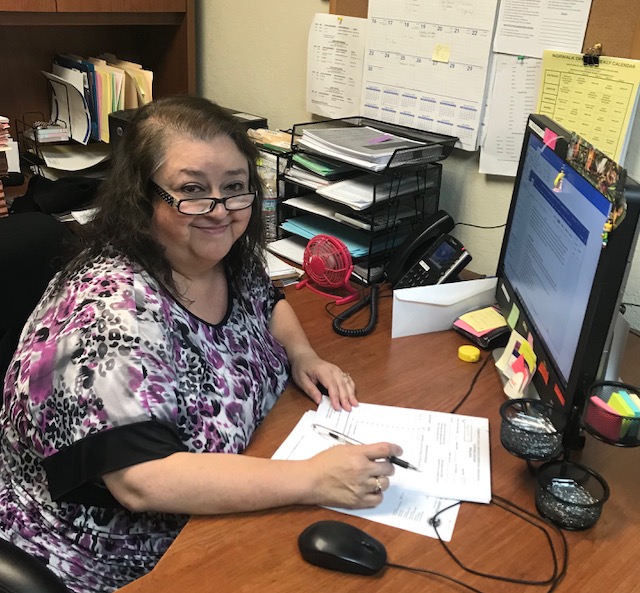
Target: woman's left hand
{"points": [[310, 372]]}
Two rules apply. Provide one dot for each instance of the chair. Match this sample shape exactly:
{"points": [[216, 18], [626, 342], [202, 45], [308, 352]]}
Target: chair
{"points": [[22, 573], [31, 250]]}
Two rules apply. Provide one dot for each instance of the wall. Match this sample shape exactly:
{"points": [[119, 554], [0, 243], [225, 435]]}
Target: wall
{"points": [[252, 57]]}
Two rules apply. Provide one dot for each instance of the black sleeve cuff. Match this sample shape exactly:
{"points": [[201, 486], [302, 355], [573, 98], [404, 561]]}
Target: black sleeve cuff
{"points": [[74, 473]]}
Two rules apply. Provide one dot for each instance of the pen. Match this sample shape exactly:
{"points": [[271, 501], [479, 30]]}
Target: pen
{"points": [[347, 440]]}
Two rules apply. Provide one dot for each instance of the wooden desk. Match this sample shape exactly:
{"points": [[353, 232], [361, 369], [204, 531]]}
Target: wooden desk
{"points": [[252, 552]]}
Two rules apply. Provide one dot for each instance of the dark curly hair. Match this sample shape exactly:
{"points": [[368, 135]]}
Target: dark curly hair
{"points": [[125, 201]]}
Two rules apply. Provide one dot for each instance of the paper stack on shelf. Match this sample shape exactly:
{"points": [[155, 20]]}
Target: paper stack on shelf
{"points": [[358, 193], [359, 243], [47, 133], [5, 138], [326, 169], [301, 176], [363, 146], [279, 269], [290, 247]]}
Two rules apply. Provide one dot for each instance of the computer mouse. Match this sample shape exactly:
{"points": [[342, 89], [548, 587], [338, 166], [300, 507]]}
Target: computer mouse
{"points": [[340, 546]]}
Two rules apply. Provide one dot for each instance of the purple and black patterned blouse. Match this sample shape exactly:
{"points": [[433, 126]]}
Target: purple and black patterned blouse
{"points": [[112, 372]]}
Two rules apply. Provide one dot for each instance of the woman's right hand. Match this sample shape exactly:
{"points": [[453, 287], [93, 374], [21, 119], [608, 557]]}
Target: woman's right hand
{"points": [[352, 476]]}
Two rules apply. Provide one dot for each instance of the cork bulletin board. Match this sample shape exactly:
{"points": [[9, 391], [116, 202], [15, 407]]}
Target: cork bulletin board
{"points": [[613, 23]]}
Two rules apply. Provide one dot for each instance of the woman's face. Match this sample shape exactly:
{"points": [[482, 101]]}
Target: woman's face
{"points": [[197, 169]]}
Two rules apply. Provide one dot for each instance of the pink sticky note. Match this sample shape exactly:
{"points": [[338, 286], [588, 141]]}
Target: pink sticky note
{"points": [[549, 138]]}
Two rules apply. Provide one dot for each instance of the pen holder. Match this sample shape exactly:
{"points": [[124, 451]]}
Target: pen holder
{"points": [[570, 495], [612, 413], [531, 429]]}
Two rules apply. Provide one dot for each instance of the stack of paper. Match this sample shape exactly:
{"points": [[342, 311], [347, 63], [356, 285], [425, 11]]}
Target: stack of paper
{"points": [[451, 451], [359, 243], [361, 192], [5, 137], [362, 146], [279, 269], [86, 91]]}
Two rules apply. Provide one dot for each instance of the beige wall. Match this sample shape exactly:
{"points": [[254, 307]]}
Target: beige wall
{"points": [[252, 57]]}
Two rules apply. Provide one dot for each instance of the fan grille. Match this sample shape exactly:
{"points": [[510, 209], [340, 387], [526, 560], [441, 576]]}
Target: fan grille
{"points": [[327, 264], [327, 261]]}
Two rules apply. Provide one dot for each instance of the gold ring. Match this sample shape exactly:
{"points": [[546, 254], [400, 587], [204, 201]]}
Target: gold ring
{"points": [[378, 487], [346, 375]]}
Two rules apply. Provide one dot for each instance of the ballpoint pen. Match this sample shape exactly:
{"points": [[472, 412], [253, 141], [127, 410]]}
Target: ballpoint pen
{"points": [[347, 440]]}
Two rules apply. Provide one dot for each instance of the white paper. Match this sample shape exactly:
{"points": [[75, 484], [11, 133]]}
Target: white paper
{"points": [[451, 450], [290, 247], [426, 65], [401, 507], [73, 157], [69, 106], [514, 95], [278, 268], [527, 28], [335, 54]]}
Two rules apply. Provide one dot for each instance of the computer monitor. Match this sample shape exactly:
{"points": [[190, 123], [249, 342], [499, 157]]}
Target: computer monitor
{"points": [[558, 285]]}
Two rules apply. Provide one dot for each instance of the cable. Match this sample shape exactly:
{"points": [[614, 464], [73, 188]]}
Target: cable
{"points": [[477, 226], [473, 382], [372, 300], [559, 563]]}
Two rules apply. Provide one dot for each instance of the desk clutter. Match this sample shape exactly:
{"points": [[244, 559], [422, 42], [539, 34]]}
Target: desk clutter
{"points": [[569, 494]]}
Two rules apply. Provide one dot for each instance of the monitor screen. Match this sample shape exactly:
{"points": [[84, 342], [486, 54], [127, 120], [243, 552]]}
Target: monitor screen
{"points": [[557, 285]]}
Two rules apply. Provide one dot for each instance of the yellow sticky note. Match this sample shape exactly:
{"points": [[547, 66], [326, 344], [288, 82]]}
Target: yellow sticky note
{"points": [[483, 320], [441, 53], [513, 317]]}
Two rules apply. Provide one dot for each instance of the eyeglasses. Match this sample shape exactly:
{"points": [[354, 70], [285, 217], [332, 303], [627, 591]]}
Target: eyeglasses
{"points": [[194, 206]]}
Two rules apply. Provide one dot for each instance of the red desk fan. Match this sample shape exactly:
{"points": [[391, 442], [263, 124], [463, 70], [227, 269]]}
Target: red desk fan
{"points": [[327, 264]]}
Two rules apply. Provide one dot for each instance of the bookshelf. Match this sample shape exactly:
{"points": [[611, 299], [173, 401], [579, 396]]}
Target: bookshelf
{"points": [[159, 34]]}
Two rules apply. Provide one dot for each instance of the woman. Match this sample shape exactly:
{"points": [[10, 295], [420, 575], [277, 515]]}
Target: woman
{"points": [[153, 355]]}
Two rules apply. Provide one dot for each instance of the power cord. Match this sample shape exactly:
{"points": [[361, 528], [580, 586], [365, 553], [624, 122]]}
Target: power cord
{"points": [[560, 561], [473, 382]]}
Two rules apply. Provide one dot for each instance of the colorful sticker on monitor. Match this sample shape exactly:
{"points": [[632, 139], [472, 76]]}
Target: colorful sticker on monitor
{"points": [[559, 394], [512, 319], [544, 372], [607, 176]]}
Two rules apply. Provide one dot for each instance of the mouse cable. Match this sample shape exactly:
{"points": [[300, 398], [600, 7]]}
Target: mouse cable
{"points": [[473, 382], [435, 574], [558, 572], [545, 527]]}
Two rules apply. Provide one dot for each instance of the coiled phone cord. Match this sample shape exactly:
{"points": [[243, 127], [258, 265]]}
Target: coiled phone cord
{"points": [[372, 301]]}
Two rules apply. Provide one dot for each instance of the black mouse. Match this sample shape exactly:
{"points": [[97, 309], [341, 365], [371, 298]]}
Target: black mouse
{"points": [[340, 546]]}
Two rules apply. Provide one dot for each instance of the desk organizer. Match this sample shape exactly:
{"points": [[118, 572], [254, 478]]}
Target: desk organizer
{"points": [[570, 495], [612, 413], [531, 429]]}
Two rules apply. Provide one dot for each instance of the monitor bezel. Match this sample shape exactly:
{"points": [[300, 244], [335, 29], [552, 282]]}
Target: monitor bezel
{"points": [[604, 300]]}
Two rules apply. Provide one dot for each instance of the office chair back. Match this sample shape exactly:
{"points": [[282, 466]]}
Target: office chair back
{"points": [[22, 573], [32, 246]]}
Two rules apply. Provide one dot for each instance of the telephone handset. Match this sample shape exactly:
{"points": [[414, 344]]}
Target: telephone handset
{"points": [[430, 256]]}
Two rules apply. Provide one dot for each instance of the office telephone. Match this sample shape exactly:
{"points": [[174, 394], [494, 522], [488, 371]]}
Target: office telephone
{"points": [[429, 256]]}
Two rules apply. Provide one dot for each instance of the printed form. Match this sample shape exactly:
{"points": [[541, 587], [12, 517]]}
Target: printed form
{"points": [[335, 51], [597, 103], [451, 450], [426, 65]]}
